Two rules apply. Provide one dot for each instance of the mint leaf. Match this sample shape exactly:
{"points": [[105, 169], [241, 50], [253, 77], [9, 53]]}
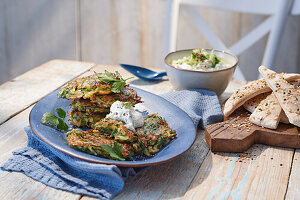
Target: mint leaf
{"points": [[49, 119], [115, 152], [119, 75], [118, 149], [127, 105], [105, 79], [117, 82], [61, 113], [128, 78], [97, 74], [212, 58], [62, 125], [118, 87], [109, 75], [218, 60]]}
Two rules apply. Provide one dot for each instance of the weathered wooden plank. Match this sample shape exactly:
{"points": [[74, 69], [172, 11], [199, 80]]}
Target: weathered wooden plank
{"points": [[28, 88], [288, 59], [226, 176], [128, 31], [27, 188], [247, 23], [134, 37], [115, 42], [293, 190], [96, 31], [12, 134], [4, 75], [153, 33], [37, 31], [16, 185]]}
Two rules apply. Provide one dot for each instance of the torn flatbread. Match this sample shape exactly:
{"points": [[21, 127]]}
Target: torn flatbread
{"points": [[249, 91], [267, 113], [287, 95], [252, 104]]}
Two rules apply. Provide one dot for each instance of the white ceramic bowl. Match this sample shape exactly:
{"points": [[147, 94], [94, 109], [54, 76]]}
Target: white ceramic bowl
{"points": [[216, 81]]}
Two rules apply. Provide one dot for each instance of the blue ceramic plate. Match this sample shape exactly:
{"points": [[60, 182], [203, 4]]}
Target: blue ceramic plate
{"points": [[176, 118]]}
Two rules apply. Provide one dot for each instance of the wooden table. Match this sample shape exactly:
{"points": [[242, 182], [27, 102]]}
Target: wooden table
{"points": [[274, 173]]}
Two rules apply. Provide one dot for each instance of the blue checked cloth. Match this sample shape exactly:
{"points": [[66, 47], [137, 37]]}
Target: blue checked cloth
{"points": [[58, 170]]}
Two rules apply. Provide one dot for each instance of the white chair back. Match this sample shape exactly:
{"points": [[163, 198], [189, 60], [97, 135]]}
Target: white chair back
{"points": [[277, 9]]}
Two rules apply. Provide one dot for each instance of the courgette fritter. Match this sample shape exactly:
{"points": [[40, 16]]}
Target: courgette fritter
{"points": [[90, 142], [115, 129], [87, 106], [85, 87], [129, 95], [84, 119], [154, 135]]}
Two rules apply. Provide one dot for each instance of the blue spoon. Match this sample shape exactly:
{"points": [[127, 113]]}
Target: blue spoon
{"points": [[144, 73]]}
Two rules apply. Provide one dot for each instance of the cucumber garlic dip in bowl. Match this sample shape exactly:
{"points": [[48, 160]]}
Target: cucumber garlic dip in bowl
{"points": [[200, 69]]}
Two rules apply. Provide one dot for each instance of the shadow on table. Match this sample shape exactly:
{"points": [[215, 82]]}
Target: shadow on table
{"points": [[169, 180], [174, 179]]}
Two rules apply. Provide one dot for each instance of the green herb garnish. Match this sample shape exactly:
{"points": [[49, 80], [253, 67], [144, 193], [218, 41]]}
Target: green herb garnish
{"points": [[114, 151], [117, 82], [61, 113], [199, 54], [127, 105], [50, 119]]}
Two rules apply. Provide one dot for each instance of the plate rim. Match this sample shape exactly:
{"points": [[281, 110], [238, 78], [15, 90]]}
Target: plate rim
{"points": [[107, 162]]}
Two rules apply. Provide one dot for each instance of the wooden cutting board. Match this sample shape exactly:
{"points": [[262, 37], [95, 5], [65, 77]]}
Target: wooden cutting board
{"points": [[237, 134]]}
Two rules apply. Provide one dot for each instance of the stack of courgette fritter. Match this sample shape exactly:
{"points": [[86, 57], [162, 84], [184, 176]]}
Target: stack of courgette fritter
{"points": [[92, 99]]}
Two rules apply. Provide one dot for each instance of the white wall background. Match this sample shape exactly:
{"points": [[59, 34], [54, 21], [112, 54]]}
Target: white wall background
{"points": [[121, 31]]}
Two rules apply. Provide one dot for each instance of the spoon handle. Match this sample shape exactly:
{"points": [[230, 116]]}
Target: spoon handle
{"points": [[162, 74]]}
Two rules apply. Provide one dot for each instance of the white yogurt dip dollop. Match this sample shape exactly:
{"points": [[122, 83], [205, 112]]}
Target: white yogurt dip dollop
{"points": [[126, 113]]}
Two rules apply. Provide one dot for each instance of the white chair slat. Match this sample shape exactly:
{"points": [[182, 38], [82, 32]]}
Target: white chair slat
{"points": [[252, 37], [296, 8], [205, 29], [284, 7], [267, 7], [277, 9], [211, 37]]}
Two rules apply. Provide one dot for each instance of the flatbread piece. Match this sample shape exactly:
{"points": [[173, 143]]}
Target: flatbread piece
{"points": [[287, 95], [249, 91], [267, 113]]}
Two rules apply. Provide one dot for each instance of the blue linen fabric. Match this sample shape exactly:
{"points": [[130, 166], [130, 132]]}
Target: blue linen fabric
{"points": [[59, 170], [202, 106]]}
